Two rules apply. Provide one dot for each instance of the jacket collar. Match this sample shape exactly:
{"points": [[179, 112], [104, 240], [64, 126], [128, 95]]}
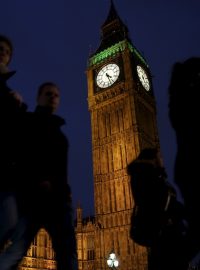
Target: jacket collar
{"points": [[46, 112]]}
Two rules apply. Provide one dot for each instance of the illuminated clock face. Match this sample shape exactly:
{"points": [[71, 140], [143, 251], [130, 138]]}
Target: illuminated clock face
{"points": [[107, 75], [143, 78]]}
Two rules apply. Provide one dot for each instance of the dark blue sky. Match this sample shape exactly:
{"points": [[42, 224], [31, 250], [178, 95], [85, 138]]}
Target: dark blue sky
{"points": [[53, 39]]}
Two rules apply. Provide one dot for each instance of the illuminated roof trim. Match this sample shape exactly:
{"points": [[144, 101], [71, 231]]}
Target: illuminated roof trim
{"points": [[118, 47]]}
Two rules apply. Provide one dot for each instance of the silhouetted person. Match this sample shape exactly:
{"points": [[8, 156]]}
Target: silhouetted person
{"points": [[184, 91], [157, 220], [11, 107], [44, 199]]}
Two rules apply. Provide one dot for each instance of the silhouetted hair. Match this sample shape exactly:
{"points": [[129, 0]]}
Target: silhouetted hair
{"points": [[183, 89], [145, 154], [148, 153], [8, 42], [42, 86], [185, 74]]}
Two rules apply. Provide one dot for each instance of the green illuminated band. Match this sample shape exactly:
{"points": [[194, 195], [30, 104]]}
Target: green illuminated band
{"points": [[119, 47]]}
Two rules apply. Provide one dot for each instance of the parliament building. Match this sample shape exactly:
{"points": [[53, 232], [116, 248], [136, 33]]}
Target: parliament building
{"points": [[122, 108]]}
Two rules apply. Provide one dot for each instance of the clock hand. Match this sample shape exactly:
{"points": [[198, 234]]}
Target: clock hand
{"points": [[108, 76]]}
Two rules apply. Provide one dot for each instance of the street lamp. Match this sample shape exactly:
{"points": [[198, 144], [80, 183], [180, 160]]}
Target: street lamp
{"points": [[112, 261]]}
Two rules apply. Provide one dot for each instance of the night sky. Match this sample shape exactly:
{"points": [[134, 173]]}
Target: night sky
{"points": [[53, 40]]}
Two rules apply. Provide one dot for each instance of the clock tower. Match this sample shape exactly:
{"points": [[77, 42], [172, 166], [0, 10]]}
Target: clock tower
{"points": [[123, 120]]}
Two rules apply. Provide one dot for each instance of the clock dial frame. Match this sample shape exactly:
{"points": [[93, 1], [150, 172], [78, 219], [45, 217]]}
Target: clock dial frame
{"points": [[107, 75], [143, 77]]}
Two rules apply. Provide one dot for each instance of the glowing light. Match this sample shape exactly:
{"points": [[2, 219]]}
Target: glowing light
{"points": [[112, 260]]}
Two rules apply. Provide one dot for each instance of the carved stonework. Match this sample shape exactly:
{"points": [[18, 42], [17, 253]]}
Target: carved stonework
{"points": [[40, 255], [113, 92]]}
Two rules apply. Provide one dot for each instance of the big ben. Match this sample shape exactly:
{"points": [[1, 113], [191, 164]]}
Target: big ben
{"points": [[123, 120]]}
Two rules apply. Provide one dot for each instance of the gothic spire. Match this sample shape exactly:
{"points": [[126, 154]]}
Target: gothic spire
{"points": [[112, 15], [113, 29]]}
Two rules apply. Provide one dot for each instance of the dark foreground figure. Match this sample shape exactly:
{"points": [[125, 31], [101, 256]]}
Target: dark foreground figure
{"points": [[184, 91], [11, 109], [43, 195], [158, 218]]}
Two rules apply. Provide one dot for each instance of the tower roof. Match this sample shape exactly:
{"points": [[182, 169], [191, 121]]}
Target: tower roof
{"points": [[112, 15], [113, 29]]}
